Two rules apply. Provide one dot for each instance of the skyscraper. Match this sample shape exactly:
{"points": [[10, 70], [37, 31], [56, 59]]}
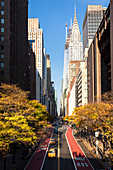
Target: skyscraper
{"points": [[14, 42], [75, 46], [35, 34], [66, 59], [92, 19], [111, 35], [75, 49], [73, 55]]}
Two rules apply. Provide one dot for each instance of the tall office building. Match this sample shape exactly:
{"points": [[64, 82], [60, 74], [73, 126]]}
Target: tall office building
{"points": [[92, 19], [35, 34], [75, 50], [66, 59], [73, 55], [100, 59], [111, 40], [75, 46], [14, 42], [49, 85]]}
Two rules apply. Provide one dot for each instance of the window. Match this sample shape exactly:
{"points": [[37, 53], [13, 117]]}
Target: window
{"points": [[2, 12], [2, 65], [2, 3], [2, 21], [2, 29], [2, 38], [2, 46], [2, 55]]}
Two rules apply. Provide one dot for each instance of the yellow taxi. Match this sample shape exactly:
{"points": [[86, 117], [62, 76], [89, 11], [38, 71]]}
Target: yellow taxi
{"points": [[51, 153], [52, 141]]}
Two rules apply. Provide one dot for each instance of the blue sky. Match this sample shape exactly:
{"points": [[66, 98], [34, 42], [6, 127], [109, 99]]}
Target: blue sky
{"points": [[53, 15]]}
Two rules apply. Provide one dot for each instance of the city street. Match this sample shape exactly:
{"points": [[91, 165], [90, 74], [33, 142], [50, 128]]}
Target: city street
{"points": [[56, 85], [64, 161]]}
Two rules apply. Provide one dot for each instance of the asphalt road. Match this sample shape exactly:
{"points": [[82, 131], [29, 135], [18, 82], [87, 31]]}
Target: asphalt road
{"points": [[65, 161]]}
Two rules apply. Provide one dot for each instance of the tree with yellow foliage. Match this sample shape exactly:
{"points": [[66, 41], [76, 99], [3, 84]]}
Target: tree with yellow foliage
{"points": [[20, 119]]}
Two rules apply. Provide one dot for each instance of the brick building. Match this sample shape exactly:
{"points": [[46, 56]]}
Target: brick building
{"points": [[31, 73], [14, 42], [111, 40]]}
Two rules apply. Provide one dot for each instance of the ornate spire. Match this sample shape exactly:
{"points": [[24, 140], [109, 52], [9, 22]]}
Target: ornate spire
{"points": [[75, 23], [75, 18]]}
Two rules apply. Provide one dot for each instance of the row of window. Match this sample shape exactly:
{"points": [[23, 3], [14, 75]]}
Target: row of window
{"points": [[2, 55], [2, 64], [2, 37], [2, 29], [2, 20], [2, 12], [2, 3]]}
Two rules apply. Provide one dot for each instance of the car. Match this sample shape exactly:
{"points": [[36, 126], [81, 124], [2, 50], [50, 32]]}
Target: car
{"points": [[52, 141], [56, 130], [51, 153]]}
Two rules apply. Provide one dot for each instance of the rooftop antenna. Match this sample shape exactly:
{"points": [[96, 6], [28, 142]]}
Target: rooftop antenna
{"points": [[75, 8]]}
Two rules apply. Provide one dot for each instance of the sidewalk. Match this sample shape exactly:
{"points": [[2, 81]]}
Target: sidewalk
{"points": [[92, 149]]}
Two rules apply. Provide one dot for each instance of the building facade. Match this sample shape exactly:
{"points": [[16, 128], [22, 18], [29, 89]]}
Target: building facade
{"points": [[92, 19], [31, 74], [82, 85], [75, 45], [66, 60], [111, 41], [35, 33], [14, 42], [99, 60], [50, 91], [73, 55]]}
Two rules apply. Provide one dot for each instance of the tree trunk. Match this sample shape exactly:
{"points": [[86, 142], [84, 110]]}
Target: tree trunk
{"points": [[103, 148], [4, 163], [14, 154]]}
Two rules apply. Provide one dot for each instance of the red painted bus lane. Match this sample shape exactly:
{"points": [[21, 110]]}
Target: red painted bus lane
{"points": [[79, 158], [38, 158]]}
